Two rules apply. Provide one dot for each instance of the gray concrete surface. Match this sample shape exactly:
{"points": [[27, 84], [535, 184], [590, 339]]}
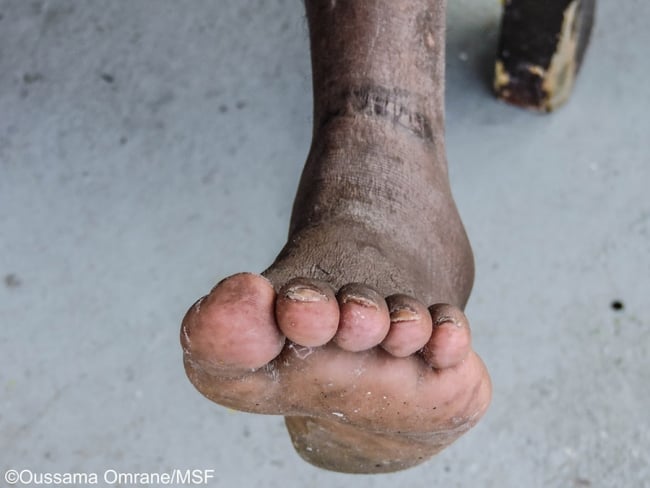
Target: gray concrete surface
{"points": [[150, 147]]}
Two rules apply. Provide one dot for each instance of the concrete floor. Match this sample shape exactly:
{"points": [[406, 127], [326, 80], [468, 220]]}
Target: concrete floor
{"points": [[149, 148]]}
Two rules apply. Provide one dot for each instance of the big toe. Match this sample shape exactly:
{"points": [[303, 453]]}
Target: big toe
{"points": [[233, 328], [451, 340]]}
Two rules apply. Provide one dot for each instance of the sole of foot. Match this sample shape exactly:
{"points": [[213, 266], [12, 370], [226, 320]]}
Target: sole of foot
{"points": [[367, 383]]}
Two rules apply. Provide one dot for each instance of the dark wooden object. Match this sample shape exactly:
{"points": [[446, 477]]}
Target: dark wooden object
{"points": [[541, 47]]}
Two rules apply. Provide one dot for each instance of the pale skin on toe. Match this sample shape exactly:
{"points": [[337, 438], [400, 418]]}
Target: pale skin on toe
{"points": [[410, 326], [313, 302], [405, 404], [341, 335]]}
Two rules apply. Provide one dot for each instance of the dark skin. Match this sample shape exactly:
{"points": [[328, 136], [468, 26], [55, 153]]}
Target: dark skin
{"points": [[356, 332], [340, 335], [377, 108]]}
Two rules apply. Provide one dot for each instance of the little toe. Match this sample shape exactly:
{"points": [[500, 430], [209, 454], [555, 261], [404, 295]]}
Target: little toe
{"points": [[364, 320], [450, 341], [410, 326], [307, 312], [233, 328]]}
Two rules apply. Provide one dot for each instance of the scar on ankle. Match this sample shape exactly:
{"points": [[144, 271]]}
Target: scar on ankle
{"points": [[377, 101]]}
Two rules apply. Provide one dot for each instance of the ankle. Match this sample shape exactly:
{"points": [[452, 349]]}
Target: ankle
{"points": [[370, 171], [407, 113]]}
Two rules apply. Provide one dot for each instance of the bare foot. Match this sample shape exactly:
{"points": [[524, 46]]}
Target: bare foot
{"points": [[339, 335]]}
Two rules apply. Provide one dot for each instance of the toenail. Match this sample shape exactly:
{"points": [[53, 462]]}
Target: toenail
{"points": [[239, 275], [359, 300], [447, 319], [403, 313], [302, 293]]}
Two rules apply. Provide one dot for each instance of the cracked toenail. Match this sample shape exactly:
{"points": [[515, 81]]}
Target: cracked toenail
{"points": [[359, 300], [302, 293], [447, 319], [403, 313]]}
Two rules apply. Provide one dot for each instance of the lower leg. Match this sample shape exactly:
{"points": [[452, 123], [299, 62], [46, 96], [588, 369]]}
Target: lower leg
{"points": [[378, 152]]}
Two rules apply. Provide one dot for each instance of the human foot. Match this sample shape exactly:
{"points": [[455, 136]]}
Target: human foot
{"points": [[337, 336], [367, 383], [377, 388]]}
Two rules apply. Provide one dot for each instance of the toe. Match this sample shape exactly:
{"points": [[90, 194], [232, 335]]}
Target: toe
{"points": [[410, 326], [450, 341], [307, 312], [234, 326], [364, 320]]}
